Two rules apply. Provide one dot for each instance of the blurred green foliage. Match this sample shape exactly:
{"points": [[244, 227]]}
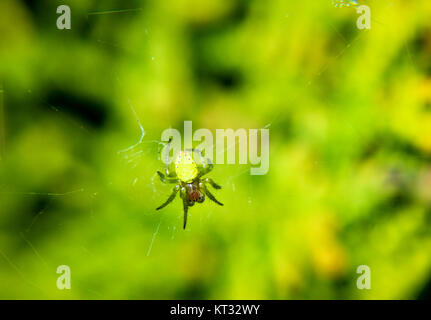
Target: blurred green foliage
{"points": [[349, 181]]}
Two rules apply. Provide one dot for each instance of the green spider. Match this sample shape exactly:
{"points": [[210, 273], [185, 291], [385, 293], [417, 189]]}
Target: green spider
{"points": [[188, 180]]}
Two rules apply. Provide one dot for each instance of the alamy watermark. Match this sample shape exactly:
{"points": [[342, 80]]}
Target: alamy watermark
{"points": [[251, 149], [364, 20], [364, 280], [63, 281], [63, 21]]}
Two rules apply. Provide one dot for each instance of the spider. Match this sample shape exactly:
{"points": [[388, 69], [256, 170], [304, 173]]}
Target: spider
{"points": [[188, 180]]}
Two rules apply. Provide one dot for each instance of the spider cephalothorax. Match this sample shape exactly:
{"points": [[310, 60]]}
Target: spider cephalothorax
{"points": [[188, 181]]}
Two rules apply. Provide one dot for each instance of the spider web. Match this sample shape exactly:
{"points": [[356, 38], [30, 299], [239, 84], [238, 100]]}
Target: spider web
{"points": [[133, 155]]}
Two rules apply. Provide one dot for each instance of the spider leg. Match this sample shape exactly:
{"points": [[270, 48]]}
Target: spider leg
{"points": [[212, 183], [166, 179], [186, 209], [209, 194], [166, 160], [169, 149], [185, 205], [171, 197], [207, 168], [169, 171]]}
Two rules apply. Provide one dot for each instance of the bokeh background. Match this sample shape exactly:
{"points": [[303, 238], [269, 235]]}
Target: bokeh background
{"points": [[349, 182]]}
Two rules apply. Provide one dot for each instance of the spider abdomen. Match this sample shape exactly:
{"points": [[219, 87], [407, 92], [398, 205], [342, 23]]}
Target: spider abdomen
{"points": [[185, 167]]}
